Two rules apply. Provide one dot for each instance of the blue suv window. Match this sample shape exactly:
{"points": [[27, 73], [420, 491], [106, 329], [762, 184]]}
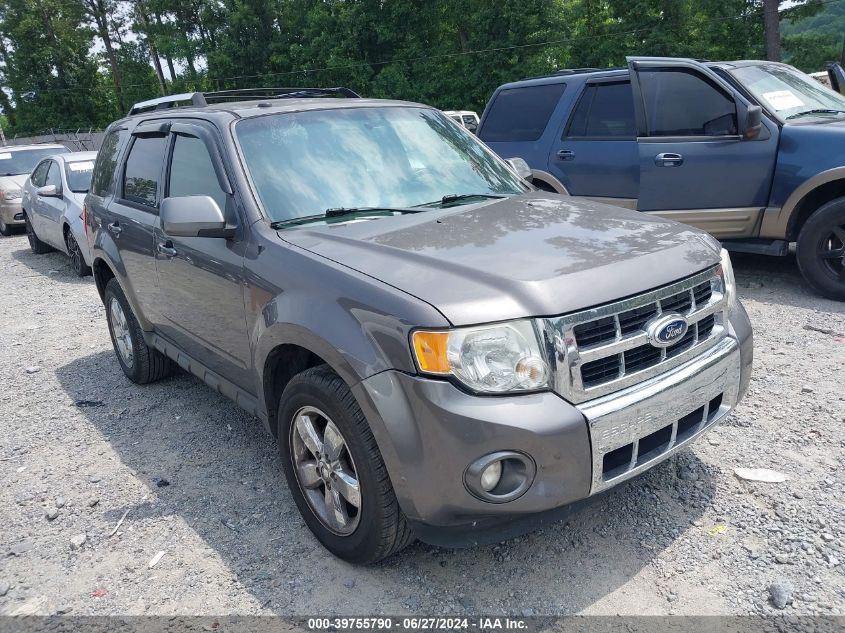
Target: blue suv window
{"points": [[604, 111], [706, 110], [521, 114]]}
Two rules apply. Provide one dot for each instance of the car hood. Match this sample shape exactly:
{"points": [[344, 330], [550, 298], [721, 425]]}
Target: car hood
{"points": [[537, 254], [13, 182]]}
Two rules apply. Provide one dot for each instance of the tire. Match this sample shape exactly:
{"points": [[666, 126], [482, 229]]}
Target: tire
{"points": [[77, 260], [821, 250], [377, 528], [36, 245], [141, 364], [5, 229]]}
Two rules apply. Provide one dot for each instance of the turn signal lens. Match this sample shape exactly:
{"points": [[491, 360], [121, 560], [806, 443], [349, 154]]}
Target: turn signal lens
{"points": [[430, 348]]}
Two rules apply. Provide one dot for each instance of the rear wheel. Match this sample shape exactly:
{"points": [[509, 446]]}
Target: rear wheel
{"points": [[821, 250], [335, 471], [77, 261], [36, 245], [140, 362]]}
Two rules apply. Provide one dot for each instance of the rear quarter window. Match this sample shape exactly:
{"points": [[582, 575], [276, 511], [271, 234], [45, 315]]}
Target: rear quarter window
{"points": [[521, 114], [102, 181]]}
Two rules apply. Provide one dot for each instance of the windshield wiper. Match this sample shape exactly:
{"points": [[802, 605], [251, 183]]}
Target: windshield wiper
{"points": [[449, 198], [337, 212], [815, 111]]}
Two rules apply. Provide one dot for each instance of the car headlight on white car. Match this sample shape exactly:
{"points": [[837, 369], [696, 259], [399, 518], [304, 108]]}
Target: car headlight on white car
{"points": [[498, 358], [726, 272], [11, 194]]}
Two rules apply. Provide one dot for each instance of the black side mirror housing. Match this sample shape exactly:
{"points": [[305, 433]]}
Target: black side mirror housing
{"points": [[753, 122]]}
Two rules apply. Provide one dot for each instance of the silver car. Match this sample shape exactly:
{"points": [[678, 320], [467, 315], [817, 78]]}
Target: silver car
{"points": [[53, 198], [16, 163]]}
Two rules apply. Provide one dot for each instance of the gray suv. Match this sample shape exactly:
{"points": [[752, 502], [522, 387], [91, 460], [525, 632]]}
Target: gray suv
{"points": [[440, 350]]}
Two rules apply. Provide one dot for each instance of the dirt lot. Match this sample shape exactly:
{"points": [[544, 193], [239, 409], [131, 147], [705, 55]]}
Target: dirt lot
{"points": [[194, 477]]}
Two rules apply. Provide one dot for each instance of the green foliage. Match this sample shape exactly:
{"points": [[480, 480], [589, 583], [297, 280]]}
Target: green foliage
{"points": [[811, 43], [449, 53]]}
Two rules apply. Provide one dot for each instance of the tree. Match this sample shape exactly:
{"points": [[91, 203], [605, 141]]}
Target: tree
{"points": [[771, 20], [100, 12]]}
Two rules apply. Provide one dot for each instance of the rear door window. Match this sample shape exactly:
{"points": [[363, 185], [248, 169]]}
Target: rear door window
{"points": [[604, 111], [143, 170], [521, 114]]}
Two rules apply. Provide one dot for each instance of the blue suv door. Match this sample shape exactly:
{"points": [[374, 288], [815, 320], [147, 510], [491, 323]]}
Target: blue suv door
{"points": [[697, 164], [595, 152]]}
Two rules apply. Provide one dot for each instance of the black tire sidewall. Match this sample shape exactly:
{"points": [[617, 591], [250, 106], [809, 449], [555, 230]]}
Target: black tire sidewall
{"points": [[362, 545], [115, 293], [5, 229], [815, 228], [81, 269]]}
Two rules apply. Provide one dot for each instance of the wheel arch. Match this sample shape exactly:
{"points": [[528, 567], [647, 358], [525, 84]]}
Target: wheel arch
{"points": [[803, 202], [538, 175], [102, 274]]}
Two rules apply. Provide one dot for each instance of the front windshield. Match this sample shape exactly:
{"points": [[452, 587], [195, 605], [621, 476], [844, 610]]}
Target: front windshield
{"points": [[303, 163], [14, 162], [79, 175], [787, 92]]}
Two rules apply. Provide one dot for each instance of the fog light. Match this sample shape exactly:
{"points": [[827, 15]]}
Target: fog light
{"points": [[491, 476]]}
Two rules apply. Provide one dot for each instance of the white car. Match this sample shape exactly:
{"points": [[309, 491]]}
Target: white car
{"points": [[464, 118], [53, 197]]}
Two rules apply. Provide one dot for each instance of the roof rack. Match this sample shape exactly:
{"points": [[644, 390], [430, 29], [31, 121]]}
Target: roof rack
{"points": [[203, 99]]}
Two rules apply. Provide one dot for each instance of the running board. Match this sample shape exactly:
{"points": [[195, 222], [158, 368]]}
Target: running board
{"points": [[775, 248]]}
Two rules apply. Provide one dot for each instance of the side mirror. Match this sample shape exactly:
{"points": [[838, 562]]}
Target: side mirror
{"points": [[49, 191], [193, 216], [753, 122], [521, 168]]}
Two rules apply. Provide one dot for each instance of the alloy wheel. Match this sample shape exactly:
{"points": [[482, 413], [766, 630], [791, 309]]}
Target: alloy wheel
{"points": [[30, 234], [74, 252], [120, 331], [831, 252], [325, 470]]}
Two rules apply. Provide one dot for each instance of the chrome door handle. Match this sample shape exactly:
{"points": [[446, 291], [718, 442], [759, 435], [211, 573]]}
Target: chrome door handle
{"points": [[166, 248], [115, 228], [669, 159], [566, 154]]}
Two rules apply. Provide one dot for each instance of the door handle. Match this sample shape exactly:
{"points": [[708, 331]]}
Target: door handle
{"points": [[669, 159], [166, 248], [566, 154], [115, 228]]}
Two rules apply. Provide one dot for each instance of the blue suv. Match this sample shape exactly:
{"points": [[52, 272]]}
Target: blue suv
{"points": [[751, 151]]}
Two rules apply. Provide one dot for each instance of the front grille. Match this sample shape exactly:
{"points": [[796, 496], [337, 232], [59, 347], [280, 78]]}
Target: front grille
{"points": [[607, 348], [645, 449]]}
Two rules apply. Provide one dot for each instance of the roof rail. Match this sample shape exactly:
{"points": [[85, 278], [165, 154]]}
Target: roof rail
{"points": [[203, 99]]}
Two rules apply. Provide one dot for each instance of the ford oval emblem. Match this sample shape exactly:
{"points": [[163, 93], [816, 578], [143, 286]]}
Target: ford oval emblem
{"points": [[667, 329]]}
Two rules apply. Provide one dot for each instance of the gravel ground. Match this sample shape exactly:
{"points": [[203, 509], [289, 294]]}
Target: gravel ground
{"points": [[195, 486]]}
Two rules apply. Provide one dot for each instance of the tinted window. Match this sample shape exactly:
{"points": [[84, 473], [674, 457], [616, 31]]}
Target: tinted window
{"points": [[521, 114], [101, 181], [683, 103], [604, 111], [192, 172], [54, 176], [143, 170], [78, 174], [14, 162], [39, 176]]}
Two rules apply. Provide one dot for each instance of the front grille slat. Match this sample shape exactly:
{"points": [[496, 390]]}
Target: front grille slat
{"points": [[615, 336]]}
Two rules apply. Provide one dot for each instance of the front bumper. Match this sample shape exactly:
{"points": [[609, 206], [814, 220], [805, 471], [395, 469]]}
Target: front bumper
{"points": [[11, 212], [429, 431]]}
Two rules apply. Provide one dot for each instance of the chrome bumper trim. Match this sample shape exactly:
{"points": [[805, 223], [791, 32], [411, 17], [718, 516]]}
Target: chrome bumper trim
{"points": [[626, 417]]}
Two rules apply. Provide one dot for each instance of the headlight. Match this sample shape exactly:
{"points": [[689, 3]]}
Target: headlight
{"points": [[11, 194], [728, 281], [497, 358]]}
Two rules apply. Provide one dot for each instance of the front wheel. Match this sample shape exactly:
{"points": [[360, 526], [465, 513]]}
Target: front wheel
{"points": [[5, 229], [821, 250], [35, 245], [335, 471]]}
